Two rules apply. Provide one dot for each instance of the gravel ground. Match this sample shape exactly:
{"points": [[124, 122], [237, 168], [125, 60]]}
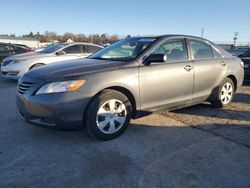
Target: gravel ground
{"points": [[194, 147]]}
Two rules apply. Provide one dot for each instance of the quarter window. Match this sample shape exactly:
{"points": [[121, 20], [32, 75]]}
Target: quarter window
{"points": [[216, 53], [75, 49], [201, 50], [174, 49]]}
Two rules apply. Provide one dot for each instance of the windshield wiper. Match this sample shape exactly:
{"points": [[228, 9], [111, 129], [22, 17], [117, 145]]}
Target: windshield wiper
{"points": [[97, 58]]}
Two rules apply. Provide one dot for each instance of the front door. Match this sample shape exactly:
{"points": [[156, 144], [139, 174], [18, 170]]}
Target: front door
{"points": [[168, 84]]}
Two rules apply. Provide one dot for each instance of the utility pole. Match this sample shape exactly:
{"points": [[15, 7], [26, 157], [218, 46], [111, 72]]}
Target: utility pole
{"points": [[236, 34], [202, 32]]}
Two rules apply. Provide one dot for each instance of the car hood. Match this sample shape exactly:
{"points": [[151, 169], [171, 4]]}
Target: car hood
{"points": [[72, 68], [28, 56]]}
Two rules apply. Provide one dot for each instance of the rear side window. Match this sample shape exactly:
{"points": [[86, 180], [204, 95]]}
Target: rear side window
{"points": [[90, 49], [175, 49], [201, 50], [75, 49]]}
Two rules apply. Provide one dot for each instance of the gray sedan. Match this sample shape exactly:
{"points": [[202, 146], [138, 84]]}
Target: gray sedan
{"points": [[127, 79]]}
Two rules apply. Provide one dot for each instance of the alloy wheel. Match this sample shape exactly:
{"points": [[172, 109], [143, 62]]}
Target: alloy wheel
{"points": [[226, 93]]}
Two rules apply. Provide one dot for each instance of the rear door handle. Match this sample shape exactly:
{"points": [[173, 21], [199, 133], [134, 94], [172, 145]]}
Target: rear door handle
{"points": [[188, 67], [223, 63]]}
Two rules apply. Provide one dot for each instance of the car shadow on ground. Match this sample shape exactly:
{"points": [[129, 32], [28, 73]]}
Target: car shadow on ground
{"points": [[146, 155], [242, 98], [208, 111]]}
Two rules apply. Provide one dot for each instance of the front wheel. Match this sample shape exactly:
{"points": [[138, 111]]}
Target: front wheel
{"points": [[225, 94], [108, 115]]}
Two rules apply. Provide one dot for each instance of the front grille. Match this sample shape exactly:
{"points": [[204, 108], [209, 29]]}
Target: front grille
{"points": [[24, 87], [13, 73], [4, 73], [6, 62]]}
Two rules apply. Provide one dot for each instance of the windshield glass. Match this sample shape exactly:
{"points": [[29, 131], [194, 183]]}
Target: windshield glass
{"points": [[52, 48], [124, 50], [247, 53]]}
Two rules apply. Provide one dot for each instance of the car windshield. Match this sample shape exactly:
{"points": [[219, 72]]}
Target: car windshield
{"points": [[246, 54], [52, 48], [124, 50]]}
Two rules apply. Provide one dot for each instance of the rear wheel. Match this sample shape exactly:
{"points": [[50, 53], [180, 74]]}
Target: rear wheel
{"points": [[108, 115], [225, 94]]}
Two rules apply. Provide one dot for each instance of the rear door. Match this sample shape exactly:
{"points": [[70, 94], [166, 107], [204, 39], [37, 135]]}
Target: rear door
{"points": [[71, 52], [168, 84], [209, 69]]}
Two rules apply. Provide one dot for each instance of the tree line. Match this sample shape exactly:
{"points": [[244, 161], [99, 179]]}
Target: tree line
{"points": [[48, 36]]}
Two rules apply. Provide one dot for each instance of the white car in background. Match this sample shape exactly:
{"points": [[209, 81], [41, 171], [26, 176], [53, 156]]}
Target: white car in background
{"points": [[15, 66]]}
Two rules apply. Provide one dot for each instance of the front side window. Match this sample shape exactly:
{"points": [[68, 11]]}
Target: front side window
{"points": [[124, 50], [75, 49], [201, 50], [175, 49]]}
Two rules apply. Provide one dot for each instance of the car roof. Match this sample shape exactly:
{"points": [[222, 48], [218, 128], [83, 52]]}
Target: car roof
{"points": [[171, 35], [84, 43]]}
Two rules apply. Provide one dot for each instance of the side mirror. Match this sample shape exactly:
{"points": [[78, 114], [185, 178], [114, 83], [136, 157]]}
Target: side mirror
{"points": [[155, 58], [60, 52]]}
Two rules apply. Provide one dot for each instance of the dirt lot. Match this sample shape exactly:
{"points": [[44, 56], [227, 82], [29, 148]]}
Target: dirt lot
{"points": [[193, 147]]}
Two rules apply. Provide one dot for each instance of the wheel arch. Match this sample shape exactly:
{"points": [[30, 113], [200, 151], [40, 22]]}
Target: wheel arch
{"points": [[123, 90], [32, 66], [233, 78]]}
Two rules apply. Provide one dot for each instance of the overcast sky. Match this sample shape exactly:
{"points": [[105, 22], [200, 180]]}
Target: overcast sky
{"points": [[219, 18]]}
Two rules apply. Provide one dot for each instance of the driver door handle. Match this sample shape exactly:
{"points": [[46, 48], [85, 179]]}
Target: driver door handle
{"points": [[188, 67]]}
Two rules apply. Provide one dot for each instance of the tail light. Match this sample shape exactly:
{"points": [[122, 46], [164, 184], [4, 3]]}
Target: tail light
{"points": [[242, 64], [29, 51]]}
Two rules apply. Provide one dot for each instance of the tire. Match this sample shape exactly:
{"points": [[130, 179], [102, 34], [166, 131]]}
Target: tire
{"points": [[36, 65], [108, 115], [225, 94]]}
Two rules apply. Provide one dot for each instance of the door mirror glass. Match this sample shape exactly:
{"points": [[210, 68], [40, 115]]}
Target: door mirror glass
{"points": [[60, 53], [155, 58]]}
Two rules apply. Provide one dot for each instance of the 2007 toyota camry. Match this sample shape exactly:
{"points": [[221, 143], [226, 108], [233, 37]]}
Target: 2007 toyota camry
{"points": [[141, 74]]}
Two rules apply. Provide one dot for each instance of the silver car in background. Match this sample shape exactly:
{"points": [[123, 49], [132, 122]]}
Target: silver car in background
{"points": [[15, 66]]}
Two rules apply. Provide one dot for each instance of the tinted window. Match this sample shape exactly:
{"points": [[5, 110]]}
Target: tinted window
{"points": [[4, 47], [52, 48], [19, 46], [174, 49], [75, 49], [246, 54], [201, 50], [91, 49]]}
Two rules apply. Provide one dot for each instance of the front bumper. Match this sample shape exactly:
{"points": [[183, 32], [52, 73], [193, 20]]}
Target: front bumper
{"points": [[10, 73], [63, 110], [13, 71]]}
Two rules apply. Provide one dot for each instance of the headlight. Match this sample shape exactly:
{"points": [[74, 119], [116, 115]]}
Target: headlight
{"points": [[56, 87], [18, 61]]}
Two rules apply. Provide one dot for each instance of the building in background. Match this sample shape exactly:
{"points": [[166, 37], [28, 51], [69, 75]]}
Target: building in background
{"points": [[31, 42]]}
